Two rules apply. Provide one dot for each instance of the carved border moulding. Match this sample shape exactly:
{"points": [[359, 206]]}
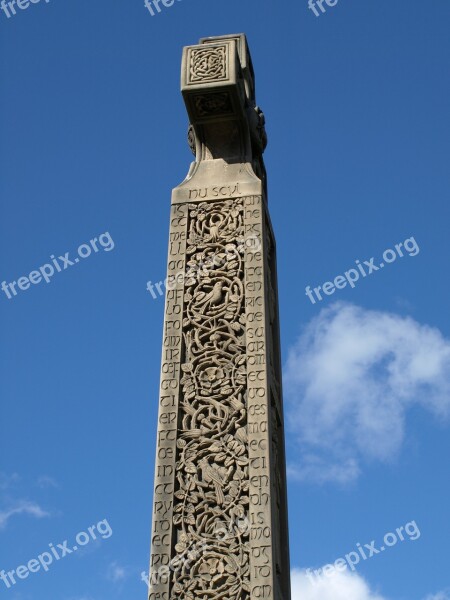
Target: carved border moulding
{"points": [[258, 405], [162, 528]]}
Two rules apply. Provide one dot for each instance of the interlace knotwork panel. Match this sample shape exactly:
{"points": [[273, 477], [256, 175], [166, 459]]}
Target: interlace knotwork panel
{"points": [[208, 63], [211, 498]]}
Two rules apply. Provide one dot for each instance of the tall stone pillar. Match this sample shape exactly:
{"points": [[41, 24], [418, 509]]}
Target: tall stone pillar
{"points": [[220, 515]]}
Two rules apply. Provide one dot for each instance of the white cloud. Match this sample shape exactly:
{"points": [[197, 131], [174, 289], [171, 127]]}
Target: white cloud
{"points": [[116, 572], [44, 481], [7, 481], [350, 380], [444, 595], [21, 507], [340, 586]]}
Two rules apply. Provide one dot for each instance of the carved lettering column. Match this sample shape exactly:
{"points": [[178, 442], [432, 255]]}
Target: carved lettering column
{"points": [[220, 514]]}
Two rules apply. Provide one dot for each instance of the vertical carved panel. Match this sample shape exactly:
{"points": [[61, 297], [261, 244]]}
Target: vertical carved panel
{"points": [[219, 464], [212, 461]]}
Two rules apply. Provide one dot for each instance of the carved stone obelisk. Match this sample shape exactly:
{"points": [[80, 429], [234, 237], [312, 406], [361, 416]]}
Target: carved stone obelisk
{"points": [[220, 514]]}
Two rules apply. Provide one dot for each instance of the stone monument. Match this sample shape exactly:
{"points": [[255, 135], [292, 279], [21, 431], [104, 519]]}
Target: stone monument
{"points": [[220, 514]]}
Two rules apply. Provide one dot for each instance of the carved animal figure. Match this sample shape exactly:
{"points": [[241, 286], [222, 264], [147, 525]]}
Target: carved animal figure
{"points": [[212, 475], [215, 296]]}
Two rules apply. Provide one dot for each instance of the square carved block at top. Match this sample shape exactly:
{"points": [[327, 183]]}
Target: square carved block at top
{"points": [[243, 52], [211, 82]]}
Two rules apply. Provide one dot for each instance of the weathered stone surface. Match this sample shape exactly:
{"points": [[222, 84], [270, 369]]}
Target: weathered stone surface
{"points": [[220, 516]]}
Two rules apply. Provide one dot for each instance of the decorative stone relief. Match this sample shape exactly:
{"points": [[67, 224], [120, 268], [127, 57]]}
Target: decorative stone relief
{"points": [[208, 64], [213, 105], [212, 460]]}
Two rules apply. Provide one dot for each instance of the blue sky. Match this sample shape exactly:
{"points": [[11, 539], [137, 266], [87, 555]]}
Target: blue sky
{"points": [[93, 139]]}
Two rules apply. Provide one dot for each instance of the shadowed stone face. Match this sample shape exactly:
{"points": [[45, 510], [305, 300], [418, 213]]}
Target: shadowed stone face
{"points": [[220, 518]]}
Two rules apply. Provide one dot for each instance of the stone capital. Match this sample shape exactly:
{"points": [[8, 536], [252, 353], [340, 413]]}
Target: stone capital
{"points": [[218, 88]]}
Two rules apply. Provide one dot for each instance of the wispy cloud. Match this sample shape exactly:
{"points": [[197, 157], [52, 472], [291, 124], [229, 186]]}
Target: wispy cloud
{"points": [[444, 595], [21, 507], [116, 572], [7, 481], [350, 380], [44, 481], [340, 586]]}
